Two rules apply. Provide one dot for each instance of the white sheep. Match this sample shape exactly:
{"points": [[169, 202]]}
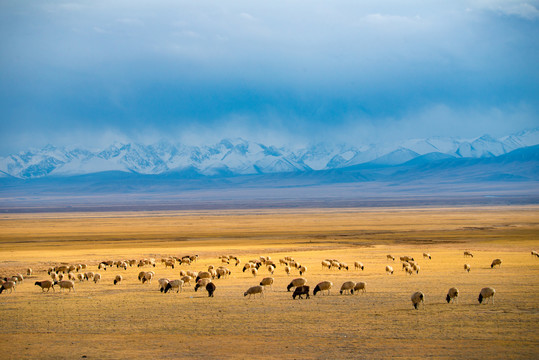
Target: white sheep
{"points": [[202, 283], [467, 267], [118, 279], [296, 282], [389, 270], [254, 271], [287, 270], [496, 262], [326, 264], [358, 265], [362, 285], [97, 277], [89, 275], [452, 295], [80, 277], [486, 293], [417, 298], [533, 253], [28, 271], [8, 285], [163, 283], [271, 269], [390, 257], [259, 289], [174, 284], [427, 256], [148, 276], [186, 279], [54, 276], [66, 284], [348, 287], [323, 286], [302, 269], [468, 253]]}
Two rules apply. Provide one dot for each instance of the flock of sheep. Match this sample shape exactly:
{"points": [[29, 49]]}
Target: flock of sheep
{"points": [[65, 276]]}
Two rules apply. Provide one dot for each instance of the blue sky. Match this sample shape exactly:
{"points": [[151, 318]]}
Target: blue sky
{"points": [[90, 72]]}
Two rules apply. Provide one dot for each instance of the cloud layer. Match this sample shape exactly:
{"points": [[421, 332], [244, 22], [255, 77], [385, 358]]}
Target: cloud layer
{"points": [[301, 70]]}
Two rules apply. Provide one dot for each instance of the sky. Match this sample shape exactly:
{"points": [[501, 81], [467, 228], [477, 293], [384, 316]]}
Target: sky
{"points": [[92, 72]]}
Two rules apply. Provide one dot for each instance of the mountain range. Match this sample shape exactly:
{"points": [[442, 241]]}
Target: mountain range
{"points": [[237, 157]]}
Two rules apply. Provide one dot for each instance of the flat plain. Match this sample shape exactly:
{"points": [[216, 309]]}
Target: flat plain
{"points": [[132, 320]]}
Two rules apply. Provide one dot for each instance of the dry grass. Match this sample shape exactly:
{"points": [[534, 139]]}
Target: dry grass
{"points": [[132, 320]]}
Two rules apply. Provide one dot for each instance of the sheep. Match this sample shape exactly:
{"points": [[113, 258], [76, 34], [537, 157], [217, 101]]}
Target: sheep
{"points": [[66, 284], [141, 275], [72, 276], [468, 253], [296, 282], [417, 298], [254, 271], [452, 294], [174, 284], [287, 270], [118, 279], [28, 272], [50, 270], [54, 276], [248, 266], [268, 281], [163, 283], [203, 275], [388, 256], [406, 258], [210, 288], [45, 284], [238, 261], [271, 269], [362, 285], [348, 286], [201, 283], [467, 267], [407, 268], [496, 262], [97, 277], [335, 264], [427, 256], [326, 264], [185, 261], [253, 290], [323, 286], [389, 270], [358, 265], [8, 285], [222, 272], [416, 268], [80, 277], [148, 276], [61, 276], [300, 291], [302, 269], [213, 273], [186, 279], [486, 293], [89, 275], [535, 253]]}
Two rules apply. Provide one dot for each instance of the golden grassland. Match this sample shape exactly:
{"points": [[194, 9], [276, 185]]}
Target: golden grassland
{"points": [[131, 320]]}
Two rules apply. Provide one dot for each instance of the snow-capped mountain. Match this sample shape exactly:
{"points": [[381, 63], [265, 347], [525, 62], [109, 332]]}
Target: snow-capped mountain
{"points": [[240, 157]]}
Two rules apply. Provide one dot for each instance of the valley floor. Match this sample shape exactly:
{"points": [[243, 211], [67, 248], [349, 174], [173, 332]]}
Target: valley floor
{"points": [[131, 320]]}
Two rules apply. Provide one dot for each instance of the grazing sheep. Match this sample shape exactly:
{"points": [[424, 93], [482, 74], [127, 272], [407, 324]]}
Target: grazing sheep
{"points": [[416, 268], [203, 275], [28, 272], [163, 283], [61, 276], [486, 293], [388, 256], [408, 269], [80, 277], [287, 270], [186, 279], [496, 262], [348, 287], [248, 266], [323, 286], [222, 272], [300, 291], [452, 294], [66, 284], [45, 284], [389, 270], [148, 276], [8, 285], [210, 288], [54, 276], [174, 284], [141, 275], [254, 271], [268, 281], [406, 258], [89, 275], [427, 256], [326, 264], [467, 267], [358, 265], [302, 269], [296, 282], [535, 253], [417, 298], [118, 279], [335, 264], [202, 283], [468, 253], [97, 277], [253, 290], [362, 285], [271, 269]]}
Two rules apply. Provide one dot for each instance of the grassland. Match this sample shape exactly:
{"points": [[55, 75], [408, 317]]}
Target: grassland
{"points": [[132, 321]]}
